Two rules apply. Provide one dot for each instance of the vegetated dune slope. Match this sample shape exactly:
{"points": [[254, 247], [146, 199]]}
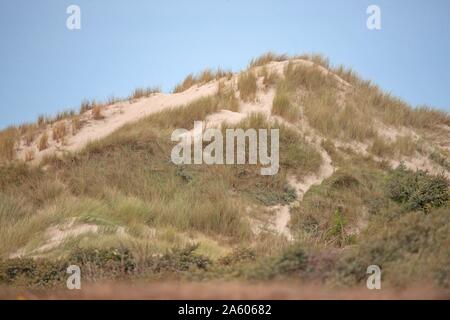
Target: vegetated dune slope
{"points": [[348, 183]]}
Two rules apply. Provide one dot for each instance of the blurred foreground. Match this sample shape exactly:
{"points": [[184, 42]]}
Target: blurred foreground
{"points": [[221, 290]]}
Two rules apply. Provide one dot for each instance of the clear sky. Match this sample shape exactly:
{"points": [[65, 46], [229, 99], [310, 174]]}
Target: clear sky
{"points": [[45, 68]]}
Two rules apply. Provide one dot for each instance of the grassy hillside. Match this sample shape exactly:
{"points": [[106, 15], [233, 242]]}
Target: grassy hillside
{"points": [[121, 209]]}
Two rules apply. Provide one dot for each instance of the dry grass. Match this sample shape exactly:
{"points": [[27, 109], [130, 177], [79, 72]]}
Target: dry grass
{"points": [[77, 124], [402, 146], [203, 77], [247, 86], [85, 106], [97, 112], [269, 78], [59, 131], [267, 58], [43, 142], [8, 138], [29, 133], [283, 106], [143, 92]]}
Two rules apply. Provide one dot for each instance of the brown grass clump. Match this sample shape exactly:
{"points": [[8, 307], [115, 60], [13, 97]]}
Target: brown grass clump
{"points": [[204, 77], [29, 134], [59, 131], [43, 142], [8, 140], [247, 86], [97, 112], [76, 125]]}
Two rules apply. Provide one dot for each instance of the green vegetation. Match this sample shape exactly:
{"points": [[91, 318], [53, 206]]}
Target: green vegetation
{"points": [[417, 190], [122, 210]]}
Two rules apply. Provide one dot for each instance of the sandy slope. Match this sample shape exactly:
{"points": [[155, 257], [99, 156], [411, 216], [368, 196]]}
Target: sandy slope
{"points": [[117, 115]]}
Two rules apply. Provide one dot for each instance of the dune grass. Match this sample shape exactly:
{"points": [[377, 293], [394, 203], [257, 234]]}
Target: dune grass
{"points": [[202, 78], [283, 105], [247, 86], [143, 92], [59, 131], [8, 139]]}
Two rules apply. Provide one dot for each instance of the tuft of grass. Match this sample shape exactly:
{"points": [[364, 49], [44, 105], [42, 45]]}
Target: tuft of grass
{"points": [[59, 131], [43, 142], [269, 78], [143, 92], [77, 124], [85, 106], [8, 138], [203, 77], [267, 58], [247, 86], [283, 106], [97, 112]]}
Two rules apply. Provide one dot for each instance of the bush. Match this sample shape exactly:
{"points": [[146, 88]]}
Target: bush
{"points": [[32, 273], [417, 190], [291, 261], [238, 255]]}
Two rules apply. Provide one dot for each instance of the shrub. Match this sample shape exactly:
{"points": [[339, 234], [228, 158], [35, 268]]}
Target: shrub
{"points": [[247, 86], [103, 263], [410, 247], [417, 190], [238, 255], [292, 261]]}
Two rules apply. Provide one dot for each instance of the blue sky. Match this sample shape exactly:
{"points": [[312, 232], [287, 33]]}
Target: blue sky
{"points": [[45, 68]]}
